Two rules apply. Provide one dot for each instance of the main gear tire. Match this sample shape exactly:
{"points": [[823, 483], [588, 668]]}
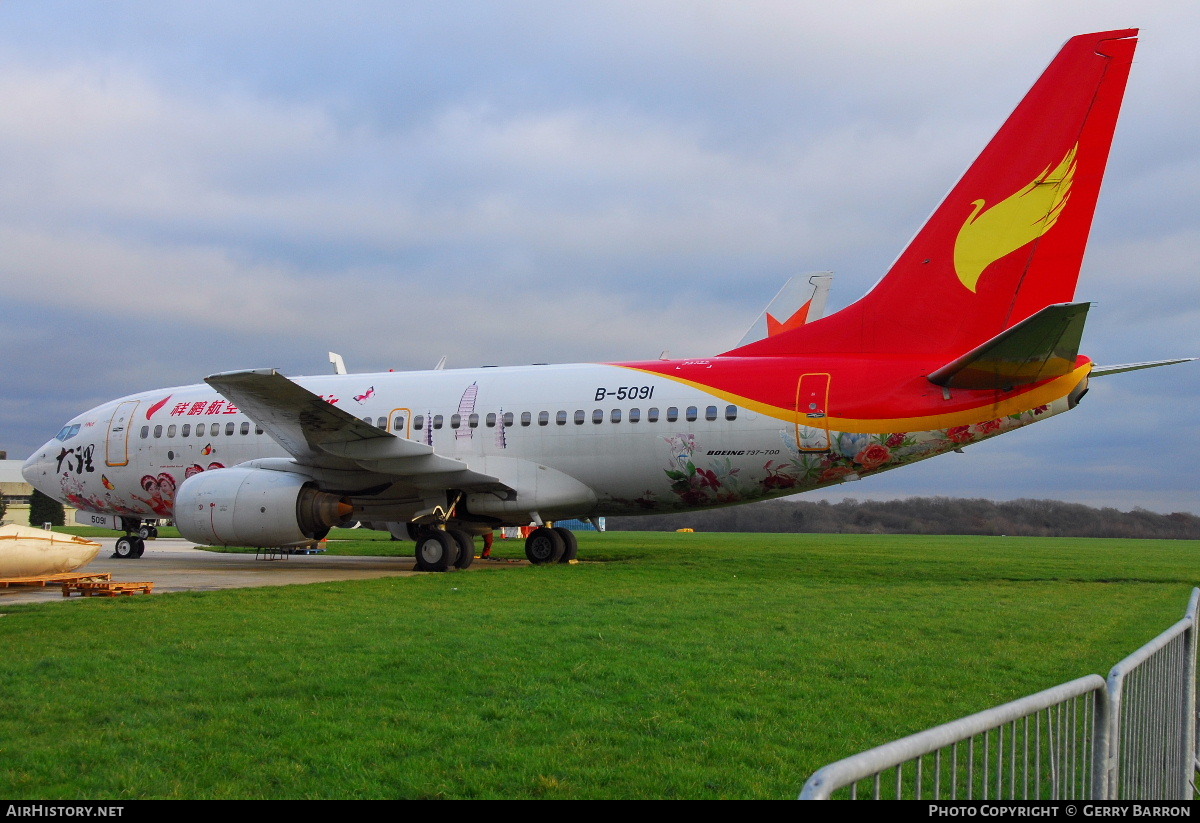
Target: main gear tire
{"points": [[544, 546]]}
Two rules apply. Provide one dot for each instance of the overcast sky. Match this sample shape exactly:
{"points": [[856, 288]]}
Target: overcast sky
{"points": [[194, 187]]}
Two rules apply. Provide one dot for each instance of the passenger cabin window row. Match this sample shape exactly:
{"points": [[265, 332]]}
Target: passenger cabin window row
{"points": [[507, 419], [579, 418], [199, 430]]}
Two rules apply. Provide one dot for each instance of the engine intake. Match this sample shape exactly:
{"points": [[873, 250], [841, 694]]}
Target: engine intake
{"points": [[255, 507]]}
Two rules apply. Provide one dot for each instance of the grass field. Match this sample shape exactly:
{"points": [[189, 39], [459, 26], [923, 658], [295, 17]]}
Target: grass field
{"points": [[664, 666]]}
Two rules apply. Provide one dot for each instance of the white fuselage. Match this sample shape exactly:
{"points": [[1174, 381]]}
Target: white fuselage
{"points": [[642, 443]]}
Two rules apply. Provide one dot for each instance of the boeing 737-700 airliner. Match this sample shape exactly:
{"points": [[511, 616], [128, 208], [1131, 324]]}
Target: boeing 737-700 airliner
{"points": [[972, 333]]}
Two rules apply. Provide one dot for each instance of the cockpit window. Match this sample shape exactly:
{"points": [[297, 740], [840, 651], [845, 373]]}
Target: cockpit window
{"points": [[68, 432]]}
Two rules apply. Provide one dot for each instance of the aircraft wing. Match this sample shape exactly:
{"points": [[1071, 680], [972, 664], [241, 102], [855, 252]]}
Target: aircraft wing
{"points": [[318, 434]]}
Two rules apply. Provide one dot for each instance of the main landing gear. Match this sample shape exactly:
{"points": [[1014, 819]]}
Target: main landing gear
{"points": [[551, 545], [133, 544], [438, 551]]}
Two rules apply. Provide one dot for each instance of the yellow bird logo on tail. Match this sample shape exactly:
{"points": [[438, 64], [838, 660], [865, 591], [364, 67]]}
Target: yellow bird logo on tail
{"points": [[1023, 217]]}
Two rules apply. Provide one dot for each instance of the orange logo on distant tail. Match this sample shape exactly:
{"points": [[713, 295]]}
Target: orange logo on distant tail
{"points": [[1010, 224], [797, 320]]}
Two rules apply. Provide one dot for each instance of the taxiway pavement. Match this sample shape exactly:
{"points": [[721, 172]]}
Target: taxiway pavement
{"points": [[175, 565]]}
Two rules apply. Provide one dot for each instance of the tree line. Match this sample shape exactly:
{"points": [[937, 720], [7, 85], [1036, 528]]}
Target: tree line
{"points": [[926, 515]]}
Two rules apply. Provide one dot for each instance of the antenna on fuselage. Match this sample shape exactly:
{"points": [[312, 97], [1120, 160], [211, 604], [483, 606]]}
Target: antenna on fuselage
{"points": [[441, 364], [339, 365]]}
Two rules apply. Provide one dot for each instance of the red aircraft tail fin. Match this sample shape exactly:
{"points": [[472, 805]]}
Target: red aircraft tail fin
{"points": [[1009, 238]]}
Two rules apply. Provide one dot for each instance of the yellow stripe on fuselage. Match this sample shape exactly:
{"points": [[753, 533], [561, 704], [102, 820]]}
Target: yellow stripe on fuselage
{"points": [[1041, 395]]}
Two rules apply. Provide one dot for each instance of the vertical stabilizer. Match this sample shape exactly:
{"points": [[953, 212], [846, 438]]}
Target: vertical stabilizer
{"points": [[801, 300], [1009, 238]]}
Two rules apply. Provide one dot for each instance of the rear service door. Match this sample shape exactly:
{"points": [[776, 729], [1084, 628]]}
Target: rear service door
{"points": [[812, 413]]}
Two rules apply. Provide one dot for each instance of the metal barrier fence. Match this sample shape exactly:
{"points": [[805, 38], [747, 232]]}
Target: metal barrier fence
{"points": [[1152, 693], [1133, 736]]}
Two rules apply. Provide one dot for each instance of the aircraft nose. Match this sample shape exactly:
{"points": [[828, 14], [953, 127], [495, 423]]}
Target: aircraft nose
{"points": [[34, 469]]}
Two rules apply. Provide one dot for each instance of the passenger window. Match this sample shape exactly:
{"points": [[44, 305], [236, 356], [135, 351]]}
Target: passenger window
{"points": [[731, 412], [710, 413], [381, 422], [419, 422], [651, 415], [398, 423], [526, 418], [598, 416], [214, 429], [473, 421], [229, 428], [186, 431], [580, 416], [692, 414], [490, 420], [561, 418], [437, 421], [508, 418], [456, 421], [258, 430], [145, 432], [171, 430], [543, 418], [615, 416], [672, 414], [245, 428], [158, 431], [635, 415]]}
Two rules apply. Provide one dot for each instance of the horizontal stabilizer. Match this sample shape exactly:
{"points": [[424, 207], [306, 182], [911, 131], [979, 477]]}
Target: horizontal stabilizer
{"points": [[1100, 371], [1042, 346]]}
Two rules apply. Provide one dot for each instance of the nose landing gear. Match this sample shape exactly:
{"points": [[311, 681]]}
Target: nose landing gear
{"points": [[133, 544]]}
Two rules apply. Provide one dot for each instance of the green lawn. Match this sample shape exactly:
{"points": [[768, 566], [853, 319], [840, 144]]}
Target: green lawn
{"points": [[671, 665]]}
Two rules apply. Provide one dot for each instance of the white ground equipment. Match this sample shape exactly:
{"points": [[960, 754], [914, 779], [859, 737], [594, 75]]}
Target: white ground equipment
{"points": [[28, 552]]}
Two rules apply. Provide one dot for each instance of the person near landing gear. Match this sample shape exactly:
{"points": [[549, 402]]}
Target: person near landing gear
{"points": [[487, 545]]}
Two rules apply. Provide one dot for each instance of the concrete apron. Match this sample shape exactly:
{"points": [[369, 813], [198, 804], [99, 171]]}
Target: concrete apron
{"points": [[175, 565]]}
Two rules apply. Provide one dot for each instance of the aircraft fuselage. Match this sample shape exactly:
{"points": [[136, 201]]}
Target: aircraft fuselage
{"points": [[654, 436]]}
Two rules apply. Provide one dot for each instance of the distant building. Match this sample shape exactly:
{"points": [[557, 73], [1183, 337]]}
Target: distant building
{"points": [[15, 493]]}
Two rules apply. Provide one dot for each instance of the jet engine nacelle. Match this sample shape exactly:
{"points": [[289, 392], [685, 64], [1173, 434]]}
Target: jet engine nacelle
{"points": [[255, 507]]}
